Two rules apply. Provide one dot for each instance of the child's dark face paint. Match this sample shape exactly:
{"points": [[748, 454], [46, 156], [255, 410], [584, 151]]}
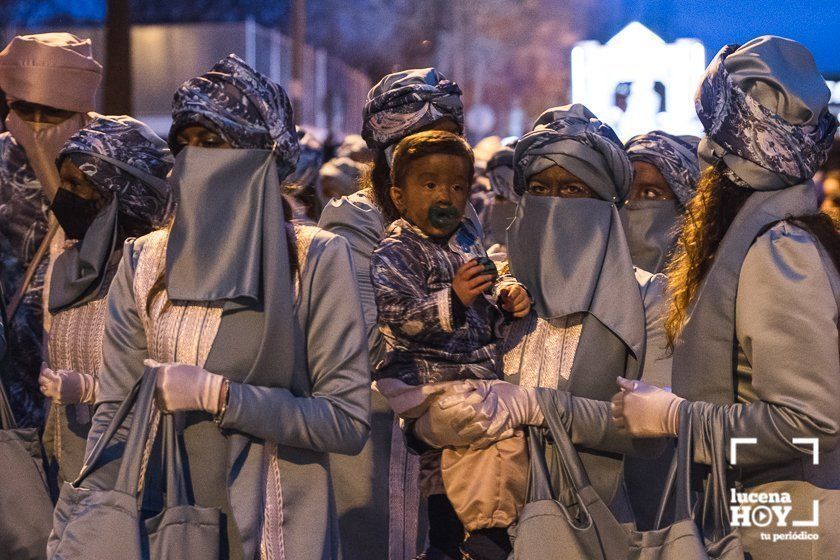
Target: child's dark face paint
{"points": [[434, 194]]}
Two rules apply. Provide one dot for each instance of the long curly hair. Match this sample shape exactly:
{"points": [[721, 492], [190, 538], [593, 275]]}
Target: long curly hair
{"points": [[707, 217]]}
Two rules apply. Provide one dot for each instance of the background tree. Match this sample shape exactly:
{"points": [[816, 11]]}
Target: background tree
{"points": [[117, 82]]}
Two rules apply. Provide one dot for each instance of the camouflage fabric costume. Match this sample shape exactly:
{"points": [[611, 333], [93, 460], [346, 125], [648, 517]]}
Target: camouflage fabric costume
{"points": [[23, 225]]}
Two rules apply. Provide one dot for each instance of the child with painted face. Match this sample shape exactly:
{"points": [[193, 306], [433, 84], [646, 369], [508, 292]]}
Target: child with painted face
{"points": [[441, 305]]}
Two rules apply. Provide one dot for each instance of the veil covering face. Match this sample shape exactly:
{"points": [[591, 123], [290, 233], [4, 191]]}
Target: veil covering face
{"points": [[571, 253]]}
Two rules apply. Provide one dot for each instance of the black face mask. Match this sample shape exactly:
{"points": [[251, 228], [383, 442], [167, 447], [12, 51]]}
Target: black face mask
{"points": [[74, 213]]}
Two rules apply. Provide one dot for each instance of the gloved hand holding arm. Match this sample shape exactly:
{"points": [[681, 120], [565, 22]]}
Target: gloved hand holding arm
{"points": [[66, 387], [182, 387], [480, 416], [644, 410]]}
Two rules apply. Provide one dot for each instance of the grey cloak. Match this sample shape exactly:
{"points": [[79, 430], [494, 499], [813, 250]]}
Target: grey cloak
{"points": [[326, 411]]}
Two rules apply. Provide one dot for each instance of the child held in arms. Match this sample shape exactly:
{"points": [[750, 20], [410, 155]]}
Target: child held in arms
{"points": [[441, 304]]}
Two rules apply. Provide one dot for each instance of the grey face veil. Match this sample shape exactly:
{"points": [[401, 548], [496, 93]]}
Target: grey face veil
{"points": [[652, 226], [571, 253], [228, 238], [218, 237], [765, 109]]}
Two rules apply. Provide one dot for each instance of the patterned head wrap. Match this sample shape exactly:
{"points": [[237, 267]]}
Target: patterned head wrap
{"points": [[500, 173], [245, 108], [573, 138], [404, 102], [124, 158], [674, 156], [127, 163], [764, 106]]}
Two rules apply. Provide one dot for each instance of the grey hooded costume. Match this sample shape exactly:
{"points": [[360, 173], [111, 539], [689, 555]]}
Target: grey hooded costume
{"points": [[127, 163], [759, 348], [266, 466], [592, 314]]}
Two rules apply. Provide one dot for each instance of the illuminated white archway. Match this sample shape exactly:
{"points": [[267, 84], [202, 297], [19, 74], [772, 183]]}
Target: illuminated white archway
{"points": [[660, 77]]}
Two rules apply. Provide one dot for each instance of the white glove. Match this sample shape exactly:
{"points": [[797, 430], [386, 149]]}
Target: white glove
{"points": [[181, 387], [645, 410], [488, 411], [66, 387]]}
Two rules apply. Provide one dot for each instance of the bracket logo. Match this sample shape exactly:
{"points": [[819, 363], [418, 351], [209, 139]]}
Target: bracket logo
{"points": [[772, 510]]}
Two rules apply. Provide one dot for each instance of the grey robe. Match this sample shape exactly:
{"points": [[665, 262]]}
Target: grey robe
{"points": [[331, 417], [786, 320], [788, 381], [589, 421], [358, 219], [361, 482]]}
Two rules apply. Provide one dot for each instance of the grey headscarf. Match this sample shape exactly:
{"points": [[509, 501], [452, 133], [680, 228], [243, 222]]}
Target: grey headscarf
{"points": [[500, 211], [765, 109], [311, 157], [343, 173], [500, 172], [764, 106], [674, 156], [571, 253], [573, 138], [245, 108]]}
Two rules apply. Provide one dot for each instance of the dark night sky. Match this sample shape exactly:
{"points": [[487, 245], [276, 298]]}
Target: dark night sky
{"points": [[816, 23]]}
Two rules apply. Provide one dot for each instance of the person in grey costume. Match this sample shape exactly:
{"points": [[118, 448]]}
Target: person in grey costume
{"points": [[253, 323], [755, 289], [594, 313], [665, 172]]}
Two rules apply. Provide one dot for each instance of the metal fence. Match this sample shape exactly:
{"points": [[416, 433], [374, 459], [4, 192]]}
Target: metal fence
{"points": [[164, 56]]}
